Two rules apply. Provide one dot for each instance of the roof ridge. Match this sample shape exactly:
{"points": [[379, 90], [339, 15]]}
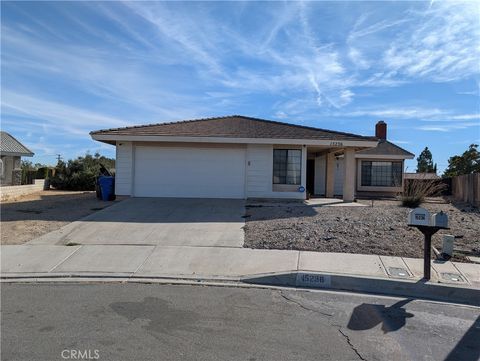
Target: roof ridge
{"points": [[236, 116], [304, 126]]}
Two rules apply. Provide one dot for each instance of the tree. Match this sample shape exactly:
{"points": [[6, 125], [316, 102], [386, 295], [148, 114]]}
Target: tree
{"points": [[425, 162], [80, 173], [467, 163], [27, 165]]}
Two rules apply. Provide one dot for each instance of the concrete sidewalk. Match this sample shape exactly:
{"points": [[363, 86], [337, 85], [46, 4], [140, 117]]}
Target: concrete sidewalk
{"points": [[298, 268]]}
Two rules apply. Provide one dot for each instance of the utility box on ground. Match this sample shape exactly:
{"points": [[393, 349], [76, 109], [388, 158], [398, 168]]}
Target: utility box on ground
{"points": [[447, 246]]}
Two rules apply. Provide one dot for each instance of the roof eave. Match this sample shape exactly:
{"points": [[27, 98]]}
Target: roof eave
{"points": [[112, 139], [384, 156], [17, 154]]}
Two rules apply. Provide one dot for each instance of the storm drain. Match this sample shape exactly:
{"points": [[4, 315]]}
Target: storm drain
{"points": [[451, 277], [398, 272]]}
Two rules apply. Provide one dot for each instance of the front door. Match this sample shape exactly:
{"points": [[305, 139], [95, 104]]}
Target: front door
{"points": [[310, 176]]}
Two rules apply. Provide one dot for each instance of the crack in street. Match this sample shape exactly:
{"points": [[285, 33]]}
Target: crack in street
{"points": [[347, 338], [303, 306]]}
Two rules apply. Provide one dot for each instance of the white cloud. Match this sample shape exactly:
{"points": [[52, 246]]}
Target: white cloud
{"points": [[358, 58], [54, 116], [214, 61], [467, 116], [179, 28], [443, 45], [396, 113], [357, 33], [439, 120], [446, 127]]}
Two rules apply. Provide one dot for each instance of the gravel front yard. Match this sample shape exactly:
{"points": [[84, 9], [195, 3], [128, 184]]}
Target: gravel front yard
{"points": [[33, 215], [380, 229]]}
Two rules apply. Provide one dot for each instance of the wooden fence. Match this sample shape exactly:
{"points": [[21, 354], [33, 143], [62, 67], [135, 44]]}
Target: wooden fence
{"points": [[466, 188]]}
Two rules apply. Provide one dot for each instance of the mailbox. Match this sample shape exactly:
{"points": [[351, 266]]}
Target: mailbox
{"points": [[439, 220], [419, 217], [428, 225]]}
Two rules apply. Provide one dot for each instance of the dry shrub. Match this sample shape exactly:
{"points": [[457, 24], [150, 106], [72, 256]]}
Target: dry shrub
{"points": [[416, 190]]}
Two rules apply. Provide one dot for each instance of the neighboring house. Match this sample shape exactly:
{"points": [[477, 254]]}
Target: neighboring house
{"points": [[421, 176], [413, 179], [243, 157], [11, 151]]}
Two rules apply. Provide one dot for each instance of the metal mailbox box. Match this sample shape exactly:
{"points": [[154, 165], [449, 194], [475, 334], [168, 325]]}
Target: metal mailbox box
{"points": [[439, 220], [419, 217]]}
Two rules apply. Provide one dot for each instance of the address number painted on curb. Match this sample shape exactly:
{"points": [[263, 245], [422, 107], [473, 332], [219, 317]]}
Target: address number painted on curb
{"points": [[313, 280]]}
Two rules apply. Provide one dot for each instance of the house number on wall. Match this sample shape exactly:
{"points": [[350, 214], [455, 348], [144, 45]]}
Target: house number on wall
{"points": [[336, 144]]}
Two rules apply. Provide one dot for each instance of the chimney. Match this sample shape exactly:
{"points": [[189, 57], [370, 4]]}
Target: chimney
{"points": [[381, 130]]}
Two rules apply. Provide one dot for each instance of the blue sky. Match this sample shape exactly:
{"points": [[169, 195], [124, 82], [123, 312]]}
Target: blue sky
{"points": [[72, 67]]}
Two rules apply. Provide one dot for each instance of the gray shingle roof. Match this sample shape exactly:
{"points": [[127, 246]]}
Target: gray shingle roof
{"points": [[384, 147], [10, 146], [234, 126]]}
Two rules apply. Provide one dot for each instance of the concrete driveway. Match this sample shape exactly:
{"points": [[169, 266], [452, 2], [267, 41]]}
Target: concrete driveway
{"points": [[158, 221]]}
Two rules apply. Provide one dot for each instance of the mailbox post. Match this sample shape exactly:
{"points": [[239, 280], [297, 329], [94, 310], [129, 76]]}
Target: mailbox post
{"points": [[428, 224]]}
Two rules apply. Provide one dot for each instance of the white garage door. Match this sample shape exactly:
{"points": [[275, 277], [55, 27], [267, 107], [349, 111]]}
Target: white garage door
{"points": [[189, 172]]}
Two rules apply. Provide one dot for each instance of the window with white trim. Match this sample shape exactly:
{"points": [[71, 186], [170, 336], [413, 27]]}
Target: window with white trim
{"points": [[287, 165], [381, 174]]}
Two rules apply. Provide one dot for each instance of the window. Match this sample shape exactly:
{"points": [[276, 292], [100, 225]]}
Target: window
{"points": [[381, 174], [1, 168], [287, 166]]}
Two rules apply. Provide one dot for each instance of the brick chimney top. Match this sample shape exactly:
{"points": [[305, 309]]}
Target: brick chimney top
{"points": [[381, 130]]}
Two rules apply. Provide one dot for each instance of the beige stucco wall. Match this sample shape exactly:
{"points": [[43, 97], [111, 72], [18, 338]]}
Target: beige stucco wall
{"points": [[258, 175]]}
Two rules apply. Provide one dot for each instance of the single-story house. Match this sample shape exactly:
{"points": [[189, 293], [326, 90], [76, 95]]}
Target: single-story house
{"points": [[11, 152], [244, 157]]}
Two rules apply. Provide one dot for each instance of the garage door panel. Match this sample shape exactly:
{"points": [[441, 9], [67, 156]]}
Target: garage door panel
{"points": [[189, 172]]}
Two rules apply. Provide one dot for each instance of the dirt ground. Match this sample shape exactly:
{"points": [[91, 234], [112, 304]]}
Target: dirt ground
{"points": [[380, 229], [33, 215]]}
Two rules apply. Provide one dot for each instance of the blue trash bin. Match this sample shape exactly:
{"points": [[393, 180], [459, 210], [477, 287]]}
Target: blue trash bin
{"points": [[106, 186]]}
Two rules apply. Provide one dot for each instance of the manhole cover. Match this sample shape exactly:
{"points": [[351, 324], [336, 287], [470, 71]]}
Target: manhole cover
{"points": [[398, 272], [451, 277]]}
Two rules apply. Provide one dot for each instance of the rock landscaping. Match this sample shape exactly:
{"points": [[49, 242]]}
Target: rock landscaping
{"points": [[378, 228]]}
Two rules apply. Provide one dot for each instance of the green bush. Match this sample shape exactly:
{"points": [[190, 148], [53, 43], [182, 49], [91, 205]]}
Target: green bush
{"points": [[80, 174], [42, 173]]}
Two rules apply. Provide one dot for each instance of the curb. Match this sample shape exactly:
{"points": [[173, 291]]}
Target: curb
{"points": [[305, 280], [396, 287]]}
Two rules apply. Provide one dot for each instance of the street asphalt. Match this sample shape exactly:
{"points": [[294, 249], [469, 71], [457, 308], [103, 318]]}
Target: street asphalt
{"points": [[184, 322]]}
